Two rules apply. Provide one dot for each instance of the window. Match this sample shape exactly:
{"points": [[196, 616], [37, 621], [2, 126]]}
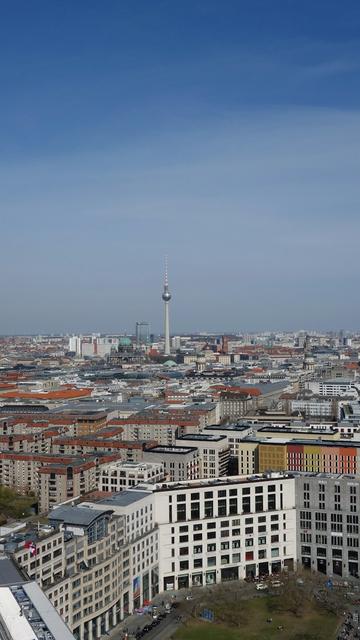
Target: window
{"points": [[353, 542], [275, 552], [262, 528], [209, 509], [195, 510], [320, 538], [320, 521], [221, 507], [184, 551], [233, 506], [181, 512]]}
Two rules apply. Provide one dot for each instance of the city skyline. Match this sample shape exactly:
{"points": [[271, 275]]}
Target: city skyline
{"points": [[223, 134]]}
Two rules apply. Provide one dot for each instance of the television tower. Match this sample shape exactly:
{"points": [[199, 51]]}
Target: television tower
{"points": [[166, 296]]}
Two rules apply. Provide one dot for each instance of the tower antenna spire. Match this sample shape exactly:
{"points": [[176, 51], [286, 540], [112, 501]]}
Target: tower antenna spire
{"points": [[166, 282]]}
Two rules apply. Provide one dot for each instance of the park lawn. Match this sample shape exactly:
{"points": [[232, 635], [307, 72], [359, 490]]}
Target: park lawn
{"points": [[14, 504], [313, 624]]}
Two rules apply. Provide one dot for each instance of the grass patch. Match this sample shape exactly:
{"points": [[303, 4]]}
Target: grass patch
{"points": [[14, 504], [248, 621]]}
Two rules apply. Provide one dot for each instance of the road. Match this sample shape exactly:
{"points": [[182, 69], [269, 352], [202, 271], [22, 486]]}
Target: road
{"points": [[163, 631]]}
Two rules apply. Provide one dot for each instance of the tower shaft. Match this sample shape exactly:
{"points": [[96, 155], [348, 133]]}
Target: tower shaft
{"points": [[167, 330]]}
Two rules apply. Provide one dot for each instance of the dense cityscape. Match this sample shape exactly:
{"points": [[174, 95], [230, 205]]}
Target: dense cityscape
{"points": [[179, 326], [148, 465]]}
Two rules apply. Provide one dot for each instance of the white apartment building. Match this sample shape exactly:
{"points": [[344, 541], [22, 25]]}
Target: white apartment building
{"points": [[337, 387], [215, 531], [180, 462], [235, 433], [320, 407], [214, 453], [119, 475]]}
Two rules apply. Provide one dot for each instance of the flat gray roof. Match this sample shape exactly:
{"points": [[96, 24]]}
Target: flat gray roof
{"points": [[228, 427], [170, 449], [207, 437], [76, 515], [125, 498], [9, 573]]}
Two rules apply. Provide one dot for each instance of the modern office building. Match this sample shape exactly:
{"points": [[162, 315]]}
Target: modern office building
{"points": [[327, 512], [216, 531], [118, 476], [180, 462], [214, 453]]}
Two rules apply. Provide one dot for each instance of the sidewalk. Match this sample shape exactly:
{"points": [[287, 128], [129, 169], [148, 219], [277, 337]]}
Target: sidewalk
{"points": [[135, 622]]}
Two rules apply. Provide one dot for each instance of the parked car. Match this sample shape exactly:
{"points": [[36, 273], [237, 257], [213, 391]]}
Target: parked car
{"points": [[276, 584], [261, 586]]}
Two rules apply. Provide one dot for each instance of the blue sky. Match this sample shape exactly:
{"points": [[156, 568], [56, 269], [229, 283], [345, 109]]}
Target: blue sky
{"points": [[224, 134]]}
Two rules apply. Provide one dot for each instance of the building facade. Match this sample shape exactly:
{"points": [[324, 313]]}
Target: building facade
{"points": [[327, 512], [218, 531]]}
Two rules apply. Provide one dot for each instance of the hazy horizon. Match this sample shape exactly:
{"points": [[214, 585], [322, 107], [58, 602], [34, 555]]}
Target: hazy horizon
{"points": [[223, 134]]}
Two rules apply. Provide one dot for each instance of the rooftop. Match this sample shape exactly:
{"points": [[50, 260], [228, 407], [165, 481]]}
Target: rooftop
{"points": [[125, 498], [77, 515], [223, 481], [241, 426], [171, 449], [9, 573], [205, 437]]}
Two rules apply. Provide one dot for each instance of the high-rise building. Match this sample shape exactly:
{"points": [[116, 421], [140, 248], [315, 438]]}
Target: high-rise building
{"points": [[142, 334], [166, 296]]}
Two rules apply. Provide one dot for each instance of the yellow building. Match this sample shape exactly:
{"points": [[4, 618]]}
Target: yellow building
{"points": [[272, 455]]}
